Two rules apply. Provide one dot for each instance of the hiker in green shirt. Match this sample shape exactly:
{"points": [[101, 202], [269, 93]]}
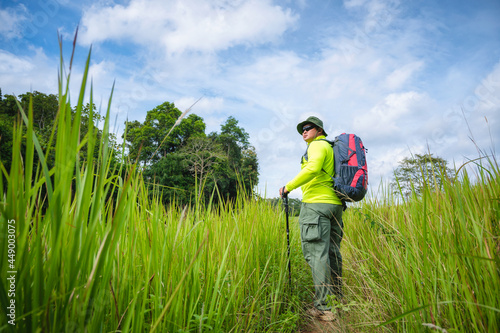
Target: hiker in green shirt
{"points": [[320, 220]]}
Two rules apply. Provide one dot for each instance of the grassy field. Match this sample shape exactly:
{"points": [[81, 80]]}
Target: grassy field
{"points": [[86, 248], [430, 262]]}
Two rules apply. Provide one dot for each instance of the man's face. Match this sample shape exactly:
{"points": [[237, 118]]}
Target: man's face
{"points": [[309, 132]]}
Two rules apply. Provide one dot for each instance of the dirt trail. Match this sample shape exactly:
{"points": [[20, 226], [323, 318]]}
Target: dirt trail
{"points": [[314, 325], [318, 326]]}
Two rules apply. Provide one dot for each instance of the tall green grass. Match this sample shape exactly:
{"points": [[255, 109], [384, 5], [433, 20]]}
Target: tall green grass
{"points": [[430, 262], [95, 252]]}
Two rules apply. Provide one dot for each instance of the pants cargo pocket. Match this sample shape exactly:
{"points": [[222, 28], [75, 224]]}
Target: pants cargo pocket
{"points": [[310, 229]]}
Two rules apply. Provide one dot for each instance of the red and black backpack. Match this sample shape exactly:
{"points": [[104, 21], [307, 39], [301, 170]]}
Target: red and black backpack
{"points": [[351, 172]]}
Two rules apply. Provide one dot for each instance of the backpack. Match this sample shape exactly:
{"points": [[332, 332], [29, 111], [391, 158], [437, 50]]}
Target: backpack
{"points": [[351, 172]]}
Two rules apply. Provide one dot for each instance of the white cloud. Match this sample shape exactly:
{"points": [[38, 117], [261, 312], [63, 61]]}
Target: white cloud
{"points": [[14, 64], [209, 108], [382, 162], [26, 73], [102, 71], [354, 3], [376, 14], [12, 21], [205, 105], [481, 110], [391, 117], [278, 72], [192, 25], [488, 91], [401, 75]]}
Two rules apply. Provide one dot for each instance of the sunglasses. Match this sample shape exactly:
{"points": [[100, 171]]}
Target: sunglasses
{"points": [[308, 128]]}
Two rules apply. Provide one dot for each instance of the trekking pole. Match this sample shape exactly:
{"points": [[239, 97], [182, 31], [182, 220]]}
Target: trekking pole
{"points": [[285, 199]]}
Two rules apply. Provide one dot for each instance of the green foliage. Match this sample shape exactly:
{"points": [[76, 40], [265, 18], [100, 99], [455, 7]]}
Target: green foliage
{"points": [[241, 170], [430, 260], [202, 154], [8, 116], [8, 106], [249, 169], [182, 161], [45, 112], [177, 165], [148, 142], [106, 255], [6, 135], [45, 108], [294, 205], [230, 129], [96, 250], [169, 177], [89, 123], [416, 172]]}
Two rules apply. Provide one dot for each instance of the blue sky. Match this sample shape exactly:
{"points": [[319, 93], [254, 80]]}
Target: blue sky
{"points": [[406, 76]]}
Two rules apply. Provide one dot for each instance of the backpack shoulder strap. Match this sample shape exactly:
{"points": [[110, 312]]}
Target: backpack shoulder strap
{"points": [[331, 145]]}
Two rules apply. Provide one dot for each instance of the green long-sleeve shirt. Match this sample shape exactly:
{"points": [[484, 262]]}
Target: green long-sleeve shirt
{"points": [[316, 184]]}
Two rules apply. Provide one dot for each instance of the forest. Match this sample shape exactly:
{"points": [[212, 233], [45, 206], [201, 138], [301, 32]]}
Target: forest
{"points": [[177, 165]]}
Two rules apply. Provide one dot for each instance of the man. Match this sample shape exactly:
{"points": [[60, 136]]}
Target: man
{"points": [[320, 220]]}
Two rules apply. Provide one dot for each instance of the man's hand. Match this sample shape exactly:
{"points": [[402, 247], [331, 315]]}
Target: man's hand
{"points": [[283, 191]]}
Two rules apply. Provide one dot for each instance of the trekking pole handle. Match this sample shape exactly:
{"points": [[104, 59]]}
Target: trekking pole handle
{"points": [[284, 195]]}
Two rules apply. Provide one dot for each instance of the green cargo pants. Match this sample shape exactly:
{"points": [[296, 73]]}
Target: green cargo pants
{"points": [[321, 231]]}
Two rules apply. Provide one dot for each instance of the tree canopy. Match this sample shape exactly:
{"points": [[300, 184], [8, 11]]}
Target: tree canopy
{"points": [[413, 173], [44, 112], [147, 142], [179, 161], [220, 164]]}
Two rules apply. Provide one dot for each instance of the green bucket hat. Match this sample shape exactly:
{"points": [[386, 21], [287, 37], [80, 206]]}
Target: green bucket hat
{"points": [[311, 120]]}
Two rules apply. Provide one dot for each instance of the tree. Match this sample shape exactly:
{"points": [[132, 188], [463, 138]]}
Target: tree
{"points": [[8, 106], [45, 108], [44, 112], [234, 139], [187, 155], [241, 169], [294, 205], [148, 141], [7, 117], [201, 154], [249, 168], [170, 175], [238, 134], [167, 166], [418, 171], [86, 125]]}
